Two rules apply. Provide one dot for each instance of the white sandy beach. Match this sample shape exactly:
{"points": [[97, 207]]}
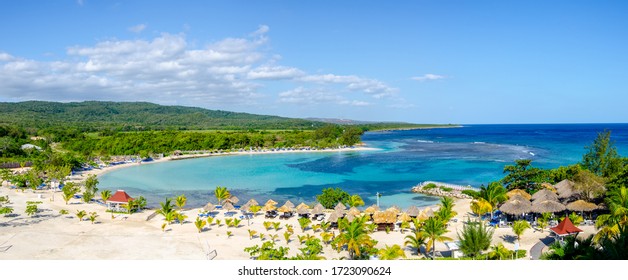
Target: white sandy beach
{"points": [[49, 235]]}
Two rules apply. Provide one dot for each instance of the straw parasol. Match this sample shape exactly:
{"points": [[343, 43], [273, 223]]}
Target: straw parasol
{"points": [[252, 202], [302, 210], [565, 188], [371, 209], [245, 207], [289, 204], [544, 194], [582, 206], [413, 211], [404, 217], [394, 209], [209, 207], [228, 206], [547, 206], [269, 207], [354, 211], [519, 192], [340, 206], [429, 212], [234, 199], [519, 197], [270, 201], [350, 217], [516, 207], [303, 206], [284, 208], [319, 206], [333, 218], [318, 209]]}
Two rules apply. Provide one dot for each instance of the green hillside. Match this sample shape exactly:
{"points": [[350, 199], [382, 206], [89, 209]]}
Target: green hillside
{"points": [[128, 116]]}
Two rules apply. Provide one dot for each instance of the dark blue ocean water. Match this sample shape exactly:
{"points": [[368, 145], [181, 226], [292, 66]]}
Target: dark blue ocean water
{"points": [[472, 154]]}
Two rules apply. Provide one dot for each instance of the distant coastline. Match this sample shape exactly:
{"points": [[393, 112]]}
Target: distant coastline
{"points": [[416, 128]]}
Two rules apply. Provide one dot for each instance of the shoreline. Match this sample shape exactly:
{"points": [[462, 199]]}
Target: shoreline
{"points": [[79, 176], [415, 128]]}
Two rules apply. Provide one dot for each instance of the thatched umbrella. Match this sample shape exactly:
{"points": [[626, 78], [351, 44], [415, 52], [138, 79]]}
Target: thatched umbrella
{"points": [[333, 218], [394, 209], [429, 212], [233, 199], [252, 202], [516, 207], [413, 211], [245, 207], [340, 206], [404, 217], [270, 201], [519, 197], [519, 192], [354, 211], [565, 189], [582, 206], [317, 210], [302, 211], [284, 209], [547, 206], [269, 207], [371, 209], [544, 194], [350, 217], [289, 204], [303, 206], [391, 216], [209, 207], [379, 217], [319, 206], [228, 206]]}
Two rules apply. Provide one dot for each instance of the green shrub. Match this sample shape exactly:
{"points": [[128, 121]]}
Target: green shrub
{"points": [[429, 186], [445, 189], [472, 193]]}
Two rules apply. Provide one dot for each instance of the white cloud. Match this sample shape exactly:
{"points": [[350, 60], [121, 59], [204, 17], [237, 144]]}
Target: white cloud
{"points": [[168, 70], [137, 28], [306, 96], [428, 77]]}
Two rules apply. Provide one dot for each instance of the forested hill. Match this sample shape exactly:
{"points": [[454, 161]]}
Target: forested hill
{"points": [[127, 116]]}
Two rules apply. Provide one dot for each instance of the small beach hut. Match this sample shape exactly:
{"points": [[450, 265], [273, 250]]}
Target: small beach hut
{"points": [[413, 211], [385, 219], [582, 206], [117, 201], [404, 217], [516, 207], [371, 209], [544, 194], [565, 189], [340, 207], [209, 207], [565, 228], [519, 197], [354, 211], [519, 192], [547, 206], [394, 209], [333, 219]]}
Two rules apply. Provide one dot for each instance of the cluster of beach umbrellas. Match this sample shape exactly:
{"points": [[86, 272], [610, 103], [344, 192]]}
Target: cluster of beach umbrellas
{"points": [[545, 200]]}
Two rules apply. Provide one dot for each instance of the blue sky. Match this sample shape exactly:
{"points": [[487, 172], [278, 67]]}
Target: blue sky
{"points": [[414, 61]]}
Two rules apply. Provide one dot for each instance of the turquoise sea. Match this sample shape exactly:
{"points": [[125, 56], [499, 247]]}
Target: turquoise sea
{"points": [[472, 154]]}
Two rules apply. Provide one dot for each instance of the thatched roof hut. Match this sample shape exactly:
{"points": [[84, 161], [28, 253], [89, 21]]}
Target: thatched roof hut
{"points": [[318, 209], [547, 206], [303, 206], [371, 209], [516, 207], [209, 207], [270, 201], [269, 207], [384, 217], [519, 192], [252, 202], [581, 205], [519, 197], [565, 189], [394, 209], [354, 211], [413, 211], [289, 204], [302, 210], [333, 218], [404, 217], [350, 217], [340, 206], [233, 199], [284, 208], [544, 194], [228, 206]]}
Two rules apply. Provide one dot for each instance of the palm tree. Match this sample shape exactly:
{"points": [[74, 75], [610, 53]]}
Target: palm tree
{"points": [[481, 207], [180, 201], [199, 224], [571, 249], [520, 226], [435, 230], [304, 222], [252, 233], [92, 217], [80, 214], [221, 194], [355, 201], [355, 236], [166, 207], [181, 218], [608, 224], [286, 236], [499, 252], [494, 194], [105, 195], [475, 238], [327, 236], [446, 212], [415, 240], [391, 252]]}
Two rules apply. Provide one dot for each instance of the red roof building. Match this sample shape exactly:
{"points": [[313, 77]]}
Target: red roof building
{"points": [[118, 199], [565, 227]]}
